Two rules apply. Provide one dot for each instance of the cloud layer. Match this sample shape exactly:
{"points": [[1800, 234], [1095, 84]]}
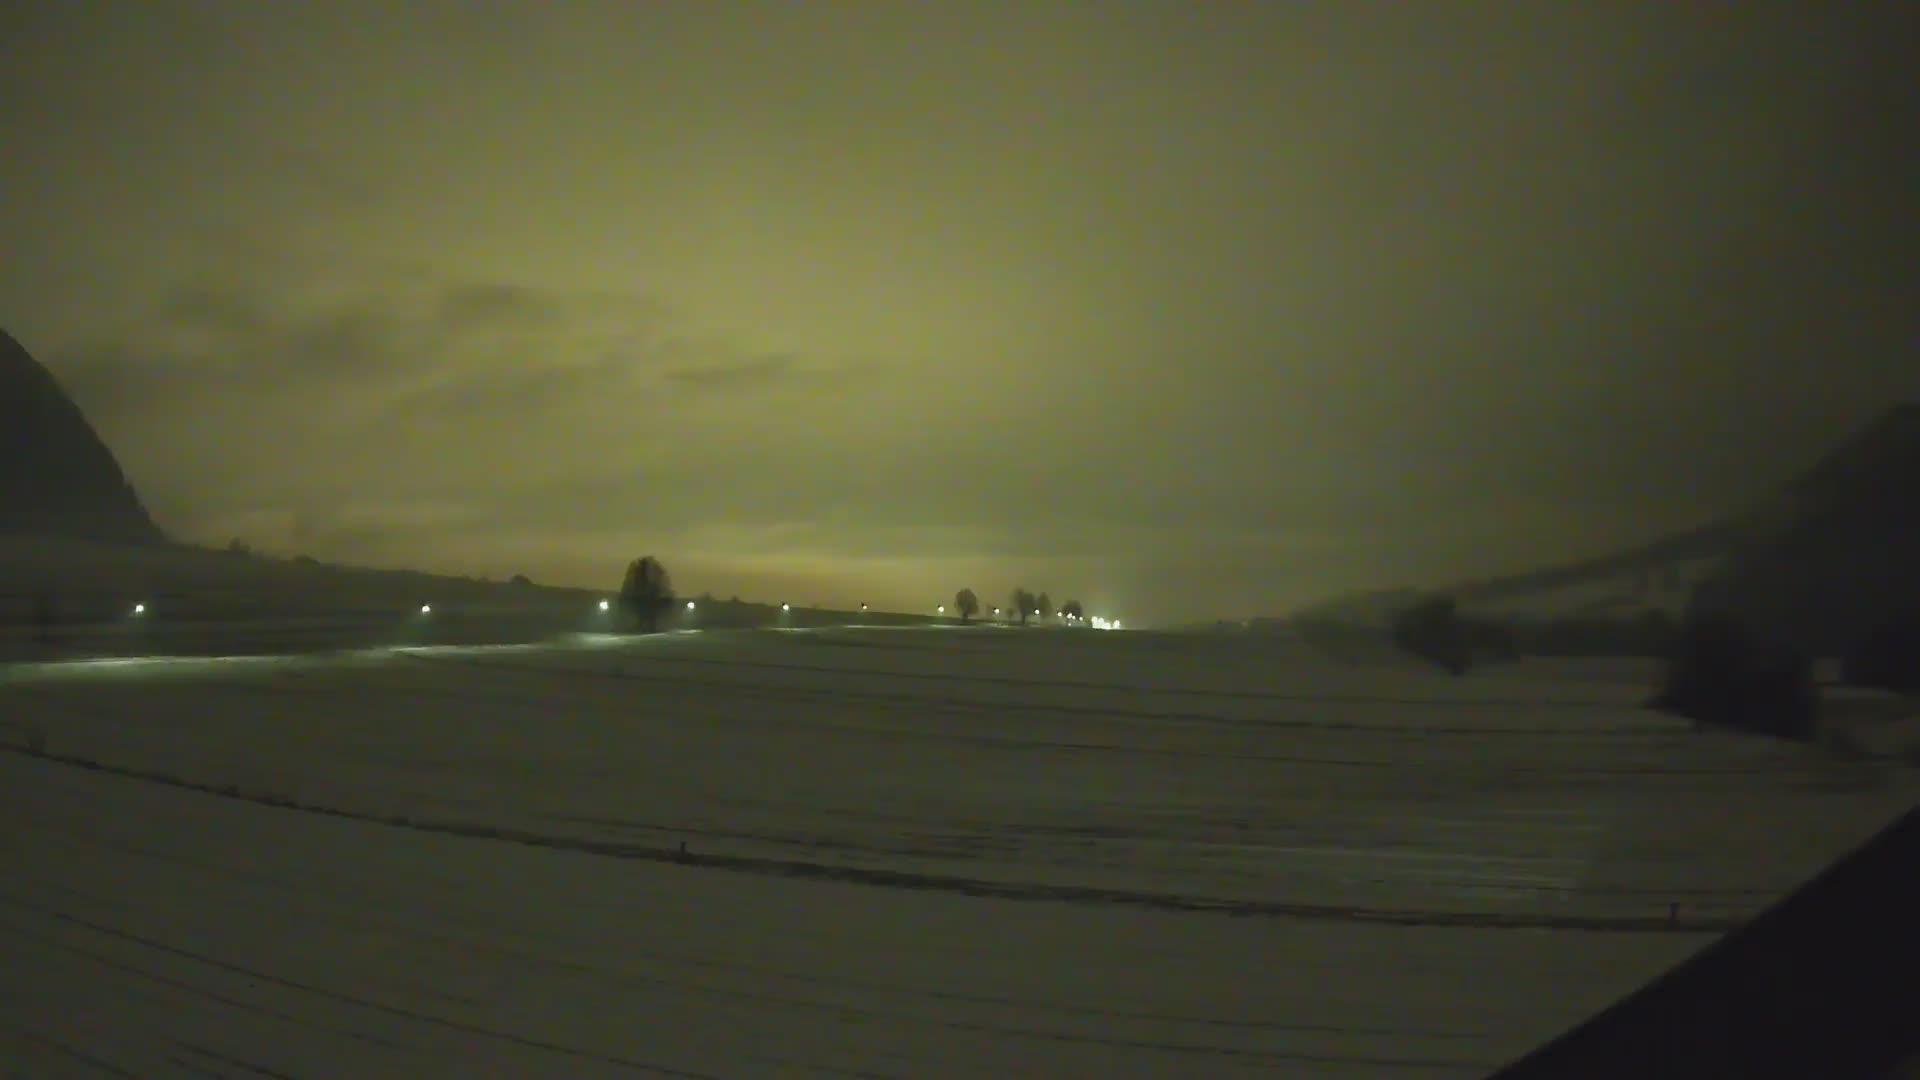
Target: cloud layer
{"points": [[1181, 309]]}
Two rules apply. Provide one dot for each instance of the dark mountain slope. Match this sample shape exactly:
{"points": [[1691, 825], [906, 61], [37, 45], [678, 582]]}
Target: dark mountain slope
{"points": [[57, 478]]}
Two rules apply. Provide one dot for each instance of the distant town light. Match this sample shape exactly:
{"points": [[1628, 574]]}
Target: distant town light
{"points": [[139, 609], [786, 607], [942, 609], [863, 607], [689, 605], [604, 605], [426, 609]]}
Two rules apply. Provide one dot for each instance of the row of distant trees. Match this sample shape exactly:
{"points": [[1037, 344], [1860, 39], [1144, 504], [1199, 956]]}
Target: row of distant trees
{"points": [[1026, 604], [646, 595]]}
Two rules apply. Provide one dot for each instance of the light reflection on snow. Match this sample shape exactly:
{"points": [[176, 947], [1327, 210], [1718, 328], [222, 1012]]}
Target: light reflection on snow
{"points": [[134, 666], [129, 667], [443, 650]]}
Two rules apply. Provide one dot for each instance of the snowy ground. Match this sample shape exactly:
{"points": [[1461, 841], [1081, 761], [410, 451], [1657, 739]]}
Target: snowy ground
{"points": [[909, 852]]}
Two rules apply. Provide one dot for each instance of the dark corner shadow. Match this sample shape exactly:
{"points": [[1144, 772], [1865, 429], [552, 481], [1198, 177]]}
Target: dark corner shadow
{"points": [[1824, 984]]}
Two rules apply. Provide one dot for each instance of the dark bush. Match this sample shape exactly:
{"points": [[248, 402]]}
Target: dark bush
{"points": [[520, 580], [1492, 639], [1727, 673], [1432, 629], [1888, 658], [1654, 633], [1651, 633], [1342, 641]]}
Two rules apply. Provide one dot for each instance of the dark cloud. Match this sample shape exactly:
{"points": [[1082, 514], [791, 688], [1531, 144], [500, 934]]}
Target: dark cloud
{"points": [[747, 371], [523, 393], [199, 343], [313, 174], [720, 371], [467, 350], [489, 304], [226, 313]]}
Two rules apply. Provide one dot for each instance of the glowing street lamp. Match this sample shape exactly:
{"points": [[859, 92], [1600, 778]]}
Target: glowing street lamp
{"points": [[942, 609], [139, 609], [786, 607], [689, 605], [426, 609], [604, 605]]}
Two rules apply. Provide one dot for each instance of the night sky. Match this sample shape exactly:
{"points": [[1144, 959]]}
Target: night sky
{"points": [[1181, 309]]}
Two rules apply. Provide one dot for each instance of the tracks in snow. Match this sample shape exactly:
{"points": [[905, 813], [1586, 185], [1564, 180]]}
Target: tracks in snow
{"points": [[948, 883]]}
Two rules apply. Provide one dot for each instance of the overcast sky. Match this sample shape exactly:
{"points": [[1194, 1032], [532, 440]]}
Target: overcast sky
{"points": [[1179, 308]]}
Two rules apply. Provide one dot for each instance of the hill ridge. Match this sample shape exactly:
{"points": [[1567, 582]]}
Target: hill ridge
{"points": [[57, 476]]}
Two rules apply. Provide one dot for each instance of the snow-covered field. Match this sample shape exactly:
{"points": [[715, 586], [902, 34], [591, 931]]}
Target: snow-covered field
{"points": [[907, 852]]}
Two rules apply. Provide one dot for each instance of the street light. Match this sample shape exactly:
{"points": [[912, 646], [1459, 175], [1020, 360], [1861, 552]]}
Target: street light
{"points": [[604, 605]]}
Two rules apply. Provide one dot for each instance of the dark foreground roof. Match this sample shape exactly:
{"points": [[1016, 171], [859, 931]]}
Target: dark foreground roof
{"points": [[1824, 985]]}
